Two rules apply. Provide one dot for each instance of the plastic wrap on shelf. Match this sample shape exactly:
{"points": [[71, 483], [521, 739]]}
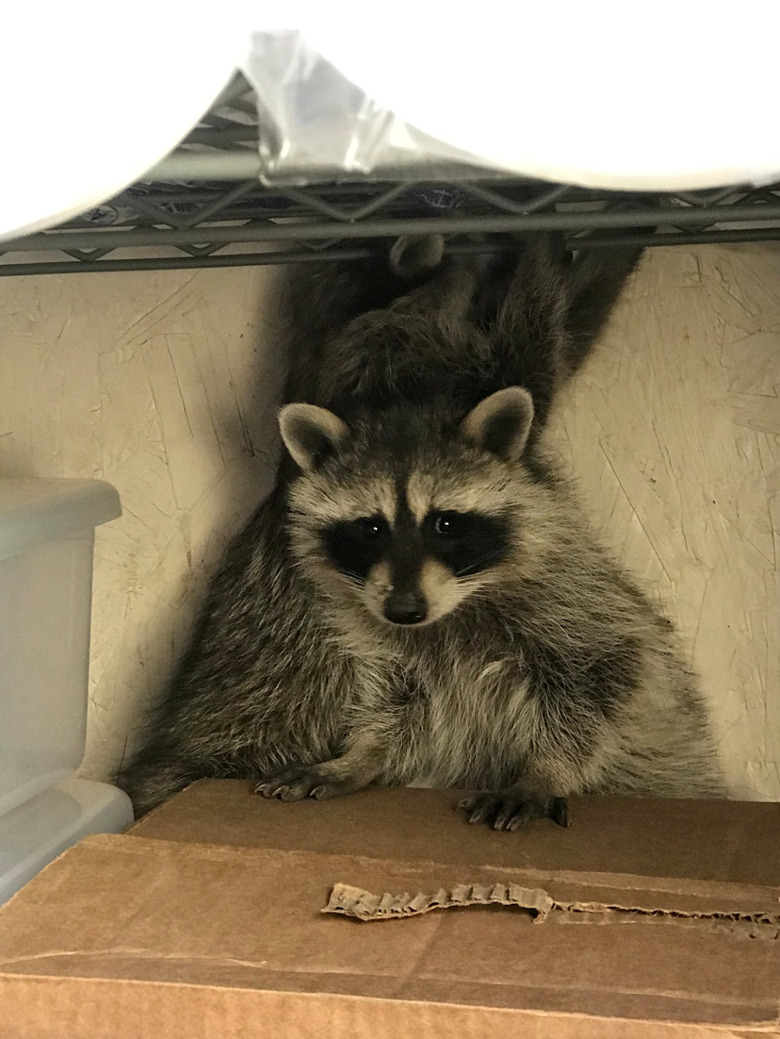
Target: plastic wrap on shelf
{"points": [[317, 126]]}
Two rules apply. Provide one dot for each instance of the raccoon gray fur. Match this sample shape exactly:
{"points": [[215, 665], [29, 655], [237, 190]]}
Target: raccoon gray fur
{"points": [[421, 601], [527, 317]]}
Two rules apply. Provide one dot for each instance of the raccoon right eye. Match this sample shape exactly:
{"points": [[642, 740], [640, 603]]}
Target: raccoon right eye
{"points": [[370, 528], [450, 524]]}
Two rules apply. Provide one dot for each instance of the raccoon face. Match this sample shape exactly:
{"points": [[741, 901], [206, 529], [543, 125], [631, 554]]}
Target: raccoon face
{"points": [[408, 527]]}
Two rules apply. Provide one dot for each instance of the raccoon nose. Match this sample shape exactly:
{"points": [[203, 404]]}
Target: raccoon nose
{"points": [[405, 608]]}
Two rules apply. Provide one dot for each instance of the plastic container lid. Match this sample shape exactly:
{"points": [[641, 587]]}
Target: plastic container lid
{"points": [[34, 510]]}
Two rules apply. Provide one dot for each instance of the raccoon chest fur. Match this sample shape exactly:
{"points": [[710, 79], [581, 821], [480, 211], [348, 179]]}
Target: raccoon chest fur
{"points": [[467, 725]]}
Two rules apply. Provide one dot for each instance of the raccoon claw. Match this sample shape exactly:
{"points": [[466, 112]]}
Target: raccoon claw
{"points": [[301, 781], [513, 810]]}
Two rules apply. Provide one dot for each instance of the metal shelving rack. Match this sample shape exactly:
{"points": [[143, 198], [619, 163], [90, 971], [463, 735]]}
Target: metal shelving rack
{"points": [[206, 205]]}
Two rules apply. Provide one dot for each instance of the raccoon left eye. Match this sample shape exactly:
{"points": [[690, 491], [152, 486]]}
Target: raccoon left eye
{"points": [[370, 528]]}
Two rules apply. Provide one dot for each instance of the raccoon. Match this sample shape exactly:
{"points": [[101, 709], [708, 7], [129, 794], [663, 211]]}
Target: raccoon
{"points": [[528, 316], [421, 600]]}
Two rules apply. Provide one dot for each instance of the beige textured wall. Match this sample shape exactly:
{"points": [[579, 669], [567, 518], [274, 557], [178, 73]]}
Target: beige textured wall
{"points": [[674, 434], [163, 383]]}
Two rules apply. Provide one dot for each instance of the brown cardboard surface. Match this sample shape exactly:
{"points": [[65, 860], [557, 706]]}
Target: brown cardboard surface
{"points": [[703, 840], [177, 932]]}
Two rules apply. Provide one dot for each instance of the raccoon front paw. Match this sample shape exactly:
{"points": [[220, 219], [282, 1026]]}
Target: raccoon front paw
{"points": [[300, 781], [513, 810]]}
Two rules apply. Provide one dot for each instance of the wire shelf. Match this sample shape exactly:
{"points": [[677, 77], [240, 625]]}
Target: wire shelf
{"points": [[206, 206]]}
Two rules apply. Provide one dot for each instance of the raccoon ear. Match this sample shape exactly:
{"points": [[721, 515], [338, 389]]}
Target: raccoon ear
{"points": [[310, 433], [501, 422]]}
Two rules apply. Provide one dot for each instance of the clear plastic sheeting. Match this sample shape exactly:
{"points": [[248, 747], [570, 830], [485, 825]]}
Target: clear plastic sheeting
{"points": [[600, 95], [317, 126]]}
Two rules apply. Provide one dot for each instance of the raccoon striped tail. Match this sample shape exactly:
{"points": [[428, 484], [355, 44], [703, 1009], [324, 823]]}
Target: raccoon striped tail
{"points": [[596, 278]]}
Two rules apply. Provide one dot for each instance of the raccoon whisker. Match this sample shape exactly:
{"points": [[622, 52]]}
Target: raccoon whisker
{"points": [[476, 566], [354, 577]]}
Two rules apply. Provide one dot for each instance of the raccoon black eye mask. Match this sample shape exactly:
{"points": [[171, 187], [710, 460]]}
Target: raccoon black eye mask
{"points": [[465, 542]]}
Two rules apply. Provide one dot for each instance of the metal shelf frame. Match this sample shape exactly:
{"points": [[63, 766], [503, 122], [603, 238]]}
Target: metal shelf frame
{"points": [[206, 205]]}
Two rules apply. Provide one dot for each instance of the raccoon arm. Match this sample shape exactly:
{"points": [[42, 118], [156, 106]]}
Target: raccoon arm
{"points": [[360, 764], [567, 755], [573, 747]]}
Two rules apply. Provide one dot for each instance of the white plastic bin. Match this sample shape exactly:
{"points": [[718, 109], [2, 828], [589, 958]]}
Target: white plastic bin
{"points": [[47, 530]]}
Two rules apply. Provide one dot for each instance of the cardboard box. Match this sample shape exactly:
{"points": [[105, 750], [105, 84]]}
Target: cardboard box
{"points": [[646, 919]]}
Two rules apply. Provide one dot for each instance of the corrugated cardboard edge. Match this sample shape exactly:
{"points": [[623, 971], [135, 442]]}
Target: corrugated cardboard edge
{"points": [[346, 900]]}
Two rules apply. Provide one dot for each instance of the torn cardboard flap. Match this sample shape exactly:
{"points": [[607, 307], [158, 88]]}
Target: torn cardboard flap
{"points": [[751, 908], [346, 900], [363, 905]]}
